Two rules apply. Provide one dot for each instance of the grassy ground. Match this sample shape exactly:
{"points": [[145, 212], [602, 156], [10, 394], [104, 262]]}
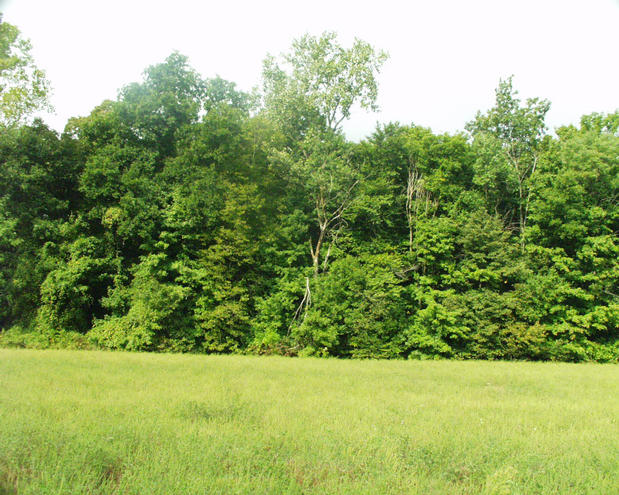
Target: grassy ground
{"points": [[94, 422]]}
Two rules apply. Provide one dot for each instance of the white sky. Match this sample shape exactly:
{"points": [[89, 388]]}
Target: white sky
{"points": [[446, 56]]}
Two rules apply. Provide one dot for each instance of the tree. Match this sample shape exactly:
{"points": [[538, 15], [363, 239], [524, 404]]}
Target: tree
{"points": [[324, 80], [169, 98], [38, 181], [574, 222], [324, 171], [515, 134], [319, 81], [309, 98], [359, 310], [23, 86]]}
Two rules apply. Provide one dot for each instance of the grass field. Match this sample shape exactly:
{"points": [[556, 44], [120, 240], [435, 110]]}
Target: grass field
{"points": [[95, 422]]}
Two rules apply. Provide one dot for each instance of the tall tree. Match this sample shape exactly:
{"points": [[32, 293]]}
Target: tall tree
{"points": [[310, 97], [323, 169], [24, 88], [309, 92], [319, 81], [514, 133]]}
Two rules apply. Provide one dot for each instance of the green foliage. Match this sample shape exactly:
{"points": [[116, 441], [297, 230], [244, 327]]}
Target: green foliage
{"points": [[23, 86], [71, 293], [155, 305], [183, 217], [168, 99], [358, 309], [518, 129], [319, 81], [509, 139]]}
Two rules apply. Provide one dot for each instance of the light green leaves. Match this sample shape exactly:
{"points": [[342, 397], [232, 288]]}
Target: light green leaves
{"points": [[319, 81], [23, 86]]}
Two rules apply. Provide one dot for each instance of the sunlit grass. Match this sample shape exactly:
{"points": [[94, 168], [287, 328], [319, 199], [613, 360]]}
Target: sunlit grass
{"points": [[95, 422]]}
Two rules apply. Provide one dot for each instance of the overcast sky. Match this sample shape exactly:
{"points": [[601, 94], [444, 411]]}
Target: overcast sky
{"points": [[446, 56]]}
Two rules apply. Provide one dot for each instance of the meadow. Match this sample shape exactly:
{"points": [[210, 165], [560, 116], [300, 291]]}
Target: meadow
{"points": [[85, 422]]}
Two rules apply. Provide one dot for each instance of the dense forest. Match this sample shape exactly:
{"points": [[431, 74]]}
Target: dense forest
{"points": [[190, 216]]}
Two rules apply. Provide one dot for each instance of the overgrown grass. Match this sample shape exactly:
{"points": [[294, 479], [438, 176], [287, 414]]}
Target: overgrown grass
{"points": [[95, 422]]}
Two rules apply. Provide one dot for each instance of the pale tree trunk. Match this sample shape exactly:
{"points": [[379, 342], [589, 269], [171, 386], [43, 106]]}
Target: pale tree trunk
{"points": [[416, 196], [328, 223], [411, 186], [306, 302], [524, 174], [315, 250]]}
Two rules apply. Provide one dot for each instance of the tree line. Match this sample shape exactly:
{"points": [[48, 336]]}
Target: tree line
{"points": [[190, 216]]}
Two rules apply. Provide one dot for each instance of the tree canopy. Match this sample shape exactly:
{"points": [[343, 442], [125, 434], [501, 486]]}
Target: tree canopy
{"points": [[190, 216], [24, 88]]}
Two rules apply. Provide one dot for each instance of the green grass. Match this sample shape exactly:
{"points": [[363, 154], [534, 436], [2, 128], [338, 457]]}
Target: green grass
{"points": [[96, 422]]}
